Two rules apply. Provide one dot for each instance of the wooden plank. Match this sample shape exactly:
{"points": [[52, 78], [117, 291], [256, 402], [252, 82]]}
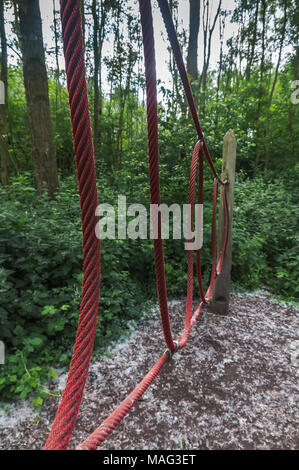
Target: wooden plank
{"points": [[220, 299]]}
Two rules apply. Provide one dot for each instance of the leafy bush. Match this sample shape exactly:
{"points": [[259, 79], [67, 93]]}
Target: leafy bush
{"points": [[265, 236], [40, 284]]}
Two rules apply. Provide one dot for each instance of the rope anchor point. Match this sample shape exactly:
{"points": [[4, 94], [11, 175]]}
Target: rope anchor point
{"points": [[171, 353]]}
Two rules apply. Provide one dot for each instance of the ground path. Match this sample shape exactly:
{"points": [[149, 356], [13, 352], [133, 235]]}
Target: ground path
{"points": [[234, 386]]}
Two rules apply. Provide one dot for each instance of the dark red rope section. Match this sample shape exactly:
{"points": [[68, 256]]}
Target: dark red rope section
{"points": [[75, 70], [110, 423], [197, 157], [198, 252], [105, 429], [76, 78], [107, 426]]}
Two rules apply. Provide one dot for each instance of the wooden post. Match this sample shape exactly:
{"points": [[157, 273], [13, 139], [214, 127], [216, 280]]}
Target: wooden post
{"points": [[220, 299]]}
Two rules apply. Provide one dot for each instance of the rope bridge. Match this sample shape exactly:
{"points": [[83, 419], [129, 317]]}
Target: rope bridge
{"points": [[66, 416]]}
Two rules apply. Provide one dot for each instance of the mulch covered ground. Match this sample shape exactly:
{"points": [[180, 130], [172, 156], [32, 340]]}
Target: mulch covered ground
{"points": [[235, 386]]}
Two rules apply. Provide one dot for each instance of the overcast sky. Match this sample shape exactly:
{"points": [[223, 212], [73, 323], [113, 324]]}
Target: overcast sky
{"points": [[162, 55]]}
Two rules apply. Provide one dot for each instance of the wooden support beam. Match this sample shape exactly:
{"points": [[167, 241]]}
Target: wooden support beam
{"points": [[220, 299]]}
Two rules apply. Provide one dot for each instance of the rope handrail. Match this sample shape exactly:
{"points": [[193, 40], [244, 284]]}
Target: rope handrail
{"points": [[79, 107], [76, 79]]}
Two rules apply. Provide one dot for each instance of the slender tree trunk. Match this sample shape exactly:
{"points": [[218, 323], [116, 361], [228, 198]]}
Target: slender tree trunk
{"points": [[221, 37], [96, 73], [125, 94], [116, 155], [238, 56], [3, 105], [208, 34], [194, 22], [205, 25], [82, 8], [282, 39], [37, 97], [57, 71], [178, 101], [291, 113], [208, 42], [260, 95], [102, 33], [253, 43], [229, 71]]}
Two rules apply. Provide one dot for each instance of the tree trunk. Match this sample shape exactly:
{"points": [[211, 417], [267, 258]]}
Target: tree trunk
{"points": [[192, 68], [221, 38], [205, 25], [96, 73], [291, 114], [260, 96], [282, 38], [82, 8], [253, 43], [57, 71], [208, 32], [3, 105], [37, 97], [104, 10]]}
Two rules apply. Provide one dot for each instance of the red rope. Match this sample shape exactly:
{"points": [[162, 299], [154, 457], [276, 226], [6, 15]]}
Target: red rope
{"points": [[110, 423], [198, 253], [75, 70], [153, 154], [197, 154], [107, 426]]}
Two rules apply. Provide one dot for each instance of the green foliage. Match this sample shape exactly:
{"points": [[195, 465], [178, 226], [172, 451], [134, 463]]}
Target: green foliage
{"points": [[41, 241], [41, 262], [266, 235], [40, 284]]}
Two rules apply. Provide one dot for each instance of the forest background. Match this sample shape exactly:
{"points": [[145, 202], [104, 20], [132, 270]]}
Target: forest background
{"points": [[242, 60]]}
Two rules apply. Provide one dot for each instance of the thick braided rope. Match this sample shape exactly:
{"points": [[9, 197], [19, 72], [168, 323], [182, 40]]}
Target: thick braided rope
{"points": [[75, 69], [106, 428], [196, 157], [153, 155], [198, 252], [110, 423], [113, 420]]}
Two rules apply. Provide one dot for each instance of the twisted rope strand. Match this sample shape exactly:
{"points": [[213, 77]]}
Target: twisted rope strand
{"points": [[76, 78], [79, 108], [153, 155]]}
